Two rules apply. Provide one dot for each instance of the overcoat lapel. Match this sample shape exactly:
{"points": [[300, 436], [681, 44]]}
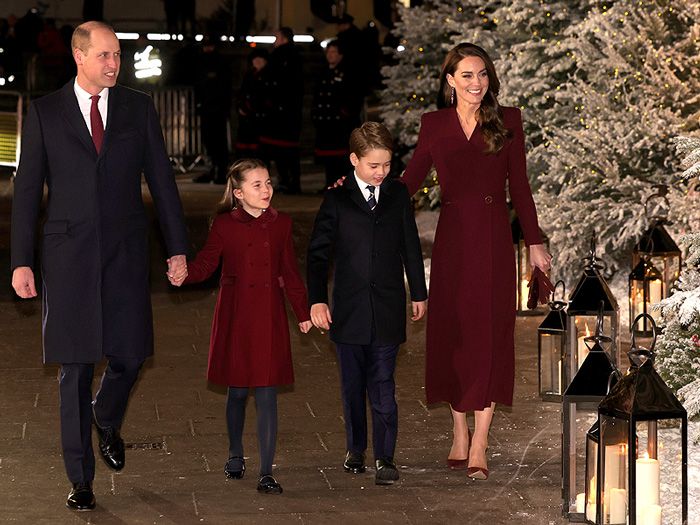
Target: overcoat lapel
{"points": [[356, 194], [117, 110], [71, 112]]}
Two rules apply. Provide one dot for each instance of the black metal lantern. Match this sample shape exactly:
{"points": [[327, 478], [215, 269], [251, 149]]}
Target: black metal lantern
{"points": [[582, 313], [522, 267], [580, 404], [643, 460], [551, 349], [646, 287], [657, 246]]}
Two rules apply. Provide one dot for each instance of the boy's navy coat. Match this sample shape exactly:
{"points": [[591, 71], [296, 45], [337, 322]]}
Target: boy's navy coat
{"points": [[370, 250]]}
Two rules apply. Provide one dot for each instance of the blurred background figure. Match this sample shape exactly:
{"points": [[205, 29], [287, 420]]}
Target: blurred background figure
{"points": [[335, 112], [55, 59], [281, 128], [212, 87], [250, 105]]}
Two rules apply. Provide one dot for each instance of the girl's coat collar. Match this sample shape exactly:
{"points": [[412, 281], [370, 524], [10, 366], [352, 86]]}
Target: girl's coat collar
{"points": [[241, 215]]}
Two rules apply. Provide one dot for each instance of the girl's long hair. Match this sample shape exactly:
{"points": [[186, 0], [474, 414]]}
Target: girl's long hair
{"points": [[234, 180], [490, 116]]}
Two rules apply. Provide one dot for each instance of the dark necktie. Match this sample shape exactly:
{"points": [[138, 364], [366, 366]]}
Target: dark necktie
{"points": [[371, 202], [98, 129]]}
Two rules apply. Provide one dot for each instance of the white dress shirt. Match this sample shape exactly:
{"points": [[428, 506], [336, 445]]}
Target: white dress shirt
{"points": [[363, 188], [85, 104]]}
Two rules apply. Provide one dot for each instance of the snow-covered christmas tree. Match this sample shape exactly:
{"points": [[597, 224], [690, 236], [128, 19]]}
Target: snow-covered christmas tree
{"points": [[678, 349], [534, 61], [636, 83]]}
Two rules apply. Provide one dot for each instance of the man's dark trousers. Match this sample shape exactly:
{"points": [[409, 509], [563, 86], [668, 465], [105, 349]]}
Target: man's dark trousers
{"points": [[75, 387], [369, 369]]}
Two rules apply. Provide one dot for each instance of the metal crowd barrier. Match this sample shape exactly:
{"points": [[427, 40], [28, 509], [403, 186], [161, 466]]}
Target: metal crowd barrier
{"points": [[181, 126], [10, 128]]}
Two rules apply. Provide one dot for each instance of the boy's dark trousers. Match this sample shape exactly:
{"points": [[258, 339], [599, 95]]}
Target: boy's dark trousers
{"points": [[368, 371]]}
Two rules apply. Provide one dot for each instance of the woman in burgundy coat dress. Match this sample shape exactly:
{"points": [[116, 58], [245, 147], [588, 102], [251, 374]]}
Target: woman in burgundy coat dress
{"points": [[478, 150], [249, 345]]}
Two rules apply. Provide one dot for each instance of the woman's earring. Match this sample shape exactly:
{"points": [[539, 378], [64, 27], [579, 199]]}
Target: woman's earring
{"points": [[452, 97]]}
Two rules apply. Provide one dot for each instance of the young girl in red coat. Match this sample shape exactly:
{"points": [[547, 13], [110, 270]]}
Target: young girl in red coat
{"points": [[249, 345]]}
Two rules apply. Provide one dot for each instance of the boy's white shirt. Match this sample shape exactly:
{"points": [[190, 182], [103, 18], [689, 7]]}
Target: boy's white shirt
{"points": [[363, 188]]}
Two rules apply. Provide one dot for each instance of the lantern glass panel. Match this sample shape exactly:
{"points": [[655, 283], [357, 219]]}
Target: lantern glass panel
{"points": [[584, 326], [658, 472], [551, 362], [613, 468], [590, 496], [581, 417]]}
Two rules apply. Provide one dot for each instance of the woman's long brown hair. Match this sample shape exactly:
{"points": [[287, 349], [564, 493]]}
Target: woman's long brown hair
{"points": [[490, 117]]}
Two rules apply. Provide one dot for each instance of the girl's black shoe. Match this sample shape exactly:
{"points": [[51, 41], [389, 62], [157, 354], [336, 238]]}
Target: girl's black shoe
{"points": [[235, 467], [268, 485]]}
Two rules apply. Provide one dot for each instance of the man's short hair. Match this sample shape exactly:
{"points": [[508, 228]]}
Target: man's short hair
{"points": [[81, 34], [369, 136]]}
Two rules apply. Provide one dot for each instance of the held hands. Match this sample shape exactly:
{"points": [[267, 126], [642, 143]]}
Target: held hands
{"points": [[540, 257], [177, 269], [419, 308], [321, 316], [305, 327], [23, 282]]}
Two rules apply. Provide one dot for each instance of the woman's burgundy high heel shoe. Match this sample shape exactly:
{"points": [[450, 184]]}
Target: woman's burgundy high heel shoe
{"points": [[460, 464], [478, 473]]}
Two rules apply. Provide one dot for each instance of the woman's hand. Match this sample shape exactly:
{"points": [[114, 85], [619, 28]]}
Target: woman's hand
{"points": [[540, 257], [337, 183], [305, 326]]}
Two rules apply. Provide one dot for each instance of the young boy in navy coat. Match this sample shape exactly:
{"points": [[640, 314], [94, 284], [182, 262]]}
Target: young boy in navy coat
{"points": [[367, 230]]}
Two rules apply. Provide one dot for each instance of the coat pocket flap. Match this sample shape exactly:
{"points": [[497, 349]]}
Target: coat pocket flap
{"points": [[55, 227]]}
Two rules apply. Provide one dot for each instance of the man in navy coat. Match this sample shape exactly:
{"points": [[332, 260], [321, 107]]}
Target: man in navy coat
{"points": [[89, 144]]}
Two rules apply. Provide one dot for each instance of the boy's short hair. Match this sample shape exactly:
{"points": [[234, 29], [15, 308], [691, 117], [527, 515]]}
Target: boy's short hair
{"points": [[370, 135]]}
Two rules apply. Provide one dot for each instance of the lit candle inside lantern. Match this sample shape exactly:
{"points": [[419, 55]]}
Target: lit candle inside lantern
{"points": [[647, 484], [582, 348], [614, 472], [590, 506], [618, 506], [580, 502]]}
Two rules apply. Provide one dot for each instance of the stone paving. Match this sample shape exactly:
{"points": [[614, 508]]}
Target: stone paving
{"points": [[175, 426]]}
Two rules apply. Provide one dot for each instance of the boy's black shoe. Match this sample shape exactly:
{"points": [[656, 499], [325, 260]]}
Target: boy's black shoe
{"points": [[386, 472], [354, 462], [268, 485], [81, 497]]}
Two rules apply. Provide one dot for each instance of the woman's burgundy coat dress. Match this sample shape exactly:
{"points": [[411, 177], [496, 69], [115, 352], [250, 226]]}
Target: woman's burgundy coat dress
{"points": [[471, 316]]}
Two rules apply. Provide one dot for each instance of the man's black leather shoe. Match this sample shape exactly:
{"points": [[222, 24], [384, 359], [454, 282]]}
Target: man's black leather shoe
{"points": [[386, 472], [268, 485], [81, 497], [111, 446], [354, 462]]}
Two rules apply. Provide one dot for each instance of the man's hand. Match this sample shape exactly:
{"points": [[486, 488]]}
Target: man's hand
{"points": [[321, 316], [177, 269], [419, 308], [23, 282]]}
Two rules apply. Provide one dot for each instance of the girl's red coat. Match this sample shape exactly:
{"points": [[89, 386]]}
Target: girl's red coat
{"points": [[249, 343]]}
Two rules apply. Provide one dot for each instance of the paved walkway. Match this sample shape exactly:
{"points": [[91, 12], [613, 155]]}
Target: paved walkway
{"points": [[175, 427]]}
